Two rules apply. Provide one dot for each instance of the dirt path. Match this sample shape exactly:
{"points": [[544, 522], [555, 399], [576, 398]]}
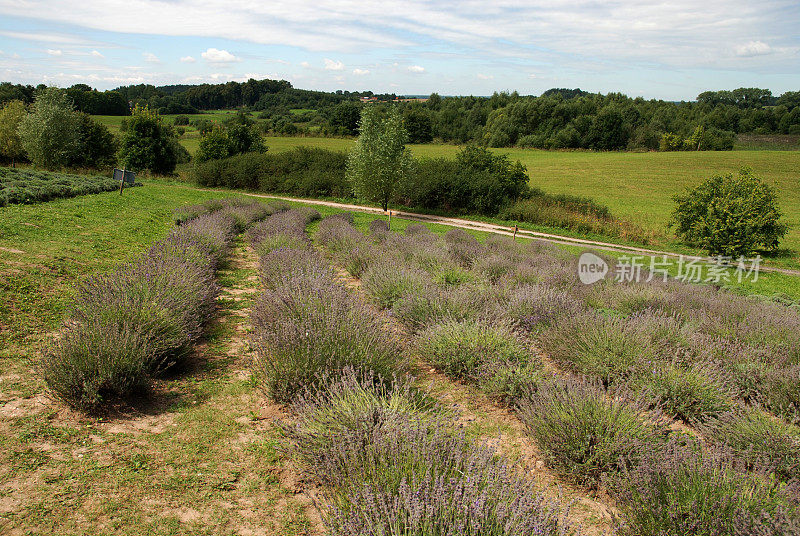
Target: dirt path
{"points": [[509, 231], [487, 420]]}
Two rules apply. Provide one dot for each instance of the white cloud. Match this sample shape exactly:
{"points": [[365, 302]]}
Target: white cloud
{"points": [[188, 59], [97, 54], [482, 76], [416, 69], [213, 55], [360, 72], [682, 44], [44, 38], [753, 48], [54, 52], [305, 64], [149, 57], [332, 65]]}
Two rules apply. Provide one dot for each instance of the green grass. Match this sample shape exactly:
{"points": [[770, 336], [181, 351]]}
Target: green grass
{"points": [[46, 249]]}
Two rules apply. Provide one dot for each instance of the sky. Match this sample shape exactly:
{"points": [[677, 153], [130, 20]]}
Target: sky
{"points": [[669, 50]]}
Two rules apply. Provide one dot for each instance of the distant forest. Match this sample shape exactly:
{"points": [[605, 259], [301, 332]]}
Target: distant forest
{"points": [[558, 119]]}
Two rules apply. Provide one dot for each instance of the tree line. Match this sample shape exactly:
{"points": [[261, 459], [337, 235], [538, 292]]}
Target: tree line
{"points": [[558, 119]]}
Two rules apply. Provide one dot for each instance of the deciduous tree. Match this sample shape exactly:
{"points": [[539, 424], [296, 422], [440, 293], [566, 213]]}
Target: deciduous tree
{"points": [[11, 116], [50, 133], [379, 161]]}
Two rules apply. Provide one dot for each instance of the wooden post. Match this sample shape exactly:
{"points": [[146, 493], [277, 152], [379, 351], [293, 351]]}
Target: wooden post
{"points": [[515, 231], [390, 220], [122, 181]]}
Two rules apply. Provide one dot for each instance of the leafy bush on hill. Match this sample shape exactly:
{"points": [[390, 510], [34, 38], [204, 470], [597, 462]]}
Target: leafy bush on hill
{"points": [[730, 215], [302, 171]]}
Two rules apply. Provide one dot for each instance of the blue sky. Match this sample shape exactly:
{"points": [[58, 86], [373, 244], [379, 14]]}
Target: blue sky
{"points": [[671, 50]]}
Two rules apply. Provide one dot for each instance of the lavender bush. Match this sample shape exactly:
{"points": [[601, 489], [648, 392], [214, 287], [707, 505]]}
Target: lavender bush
{"points": [[490, 356], [378, 226], [680, 489], [587, 433], [91, 364], [387, 279], [760, 441], [305, 324], [142, 320], [688, 394], [393, 464], [599, 346]]}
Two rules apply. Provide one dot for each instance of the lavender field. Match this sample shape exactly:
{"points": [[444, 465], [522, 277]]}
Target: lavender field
{"points": [[674, 405]]}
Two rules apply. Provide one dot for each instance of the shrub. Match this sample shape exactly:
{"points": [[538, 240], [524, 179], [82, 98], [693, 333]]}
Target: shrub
{"points": [[96, 148], [385, 282], [603, 347], [394, 467], [148, 144], [764, 443], [181, 120], [355, 403], [168, 299], [730, 215], [679, 490], [91, 364], [463, 247], [214, 145], [779, 389], [307, 325], [533, 307], [302, 171], [586, 433], [431, 304], [378, 226], [487, 355], [686, 394]]}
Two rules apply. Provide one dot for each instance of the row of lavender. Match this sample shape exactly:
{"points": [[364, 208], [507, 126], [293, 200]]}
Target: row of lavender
{"points": [[131, 325], [390, 459], [629, 361]]}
